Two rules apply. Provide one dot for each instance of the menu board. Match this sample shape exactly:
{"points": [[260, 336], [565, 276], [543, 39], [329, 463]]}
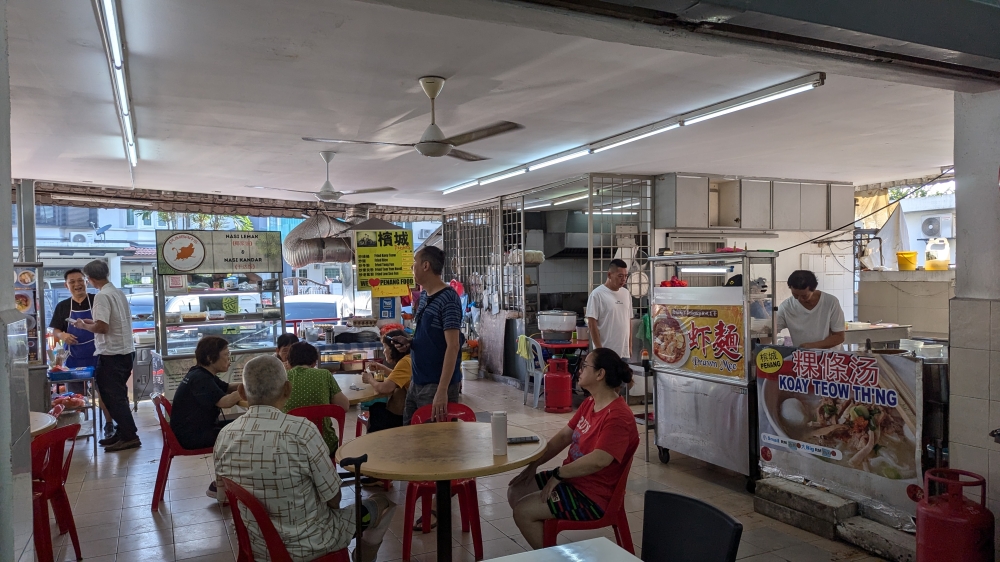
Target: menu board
{"points": [[700, 329], [849, 422], [385, 261], [26, 302], [217, 251]]}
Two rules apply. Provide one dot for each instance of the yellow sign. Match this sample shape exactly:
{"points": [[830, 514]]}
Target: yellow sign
{"points": [[385, 259], [705, 338], [769, 360]]}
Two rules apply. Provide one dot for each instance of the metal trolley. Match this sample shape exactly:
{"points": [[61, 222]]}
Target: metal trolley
{"points": [[711, 417]]}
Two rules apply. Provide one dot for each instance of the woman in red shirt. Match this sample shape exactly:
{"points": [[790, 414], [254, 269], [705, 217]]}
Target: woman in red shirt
{"points": [[601, 437]]}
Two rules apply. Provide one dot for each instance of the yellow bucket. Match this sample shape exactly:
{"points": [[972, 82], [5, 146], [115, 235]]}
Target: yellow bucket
{"points": [[907, 261], [466, 355]]}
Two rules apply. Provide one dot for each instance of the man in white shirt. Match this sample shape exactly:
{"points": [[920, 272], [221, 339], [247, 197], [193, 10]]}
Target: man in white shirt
{"points": [[609, 312], [284, 462], [814, 319], [111, 325]]}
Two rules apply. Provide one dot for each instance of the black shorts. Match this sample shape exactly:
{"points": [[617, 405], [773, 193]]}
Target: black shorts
{"points": [[573, 504]]}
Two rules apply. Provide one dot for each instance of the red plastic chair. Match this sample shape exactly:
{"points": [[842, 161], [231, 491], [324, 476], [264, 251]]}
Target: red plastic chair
{"points": [[171, 448], [275, 544], [362, 423], [465, 489], [316, 414], [614, 516], [48, 479]]}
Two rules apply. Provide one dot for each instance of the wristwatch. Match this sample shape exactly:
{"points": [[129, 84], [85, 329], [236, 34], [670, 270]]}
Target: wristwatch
{"points": [[555, 474]]}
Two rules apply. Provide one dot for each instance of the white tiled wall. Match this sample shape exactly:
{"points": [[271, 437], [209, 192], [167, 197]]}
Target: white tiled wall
{"points": [[921, 304], [974, 373], [563, 276]]}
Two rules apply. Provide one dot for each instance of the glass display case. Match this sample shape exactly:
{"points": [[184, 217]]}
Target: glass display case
{"points": [[29, 300], [248, 311]]}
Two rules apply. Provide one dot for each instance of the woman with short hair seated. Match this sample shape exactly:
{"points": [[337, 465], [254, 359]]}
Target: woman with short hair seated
{"points": [[601, 437], [313, 387], [385, 415], [283, 344], [200, 397]]}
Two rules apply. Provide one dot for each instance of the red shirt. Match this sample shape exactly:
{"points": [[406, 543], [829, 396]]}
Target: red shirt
{"points": [[611, 430]]}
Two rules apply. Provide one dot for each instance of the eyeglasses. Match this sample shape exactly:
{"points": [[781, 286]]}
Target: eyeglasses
{"points": [[585, 366]]}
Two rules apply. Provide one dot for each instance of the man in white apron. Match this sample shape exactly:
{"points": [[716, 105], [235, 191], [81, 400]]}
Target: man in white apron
{"points": [[79, 343]]}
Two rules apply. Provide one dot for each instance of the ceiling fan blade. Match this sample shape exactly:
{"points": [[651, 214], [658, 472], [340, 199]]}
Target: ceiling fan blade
{"points": [[484, 132], [370, 190], [467, 156], [342, 141]]}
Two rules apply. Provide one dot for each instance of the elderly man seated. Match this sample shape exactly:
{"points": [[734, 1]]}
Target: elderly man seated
{"points": [[284, 462]]}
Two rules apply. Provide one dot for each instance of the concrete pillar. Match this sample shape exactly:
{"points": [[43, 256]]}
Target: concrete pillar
{"points": [[974, 330], [15, 484]]}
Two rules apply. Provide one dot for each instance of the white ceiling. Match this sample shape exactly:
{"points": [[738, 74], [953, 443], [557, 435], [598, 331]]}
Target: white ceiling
{"points": [[224, 90]]}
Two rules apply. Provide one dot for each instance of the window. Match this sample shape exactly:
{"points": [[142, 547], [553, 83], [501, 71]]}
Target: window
{"points": [[46, 215], [130, 217], [160, 222], [303, 273], [332, 273], [147, 220]]}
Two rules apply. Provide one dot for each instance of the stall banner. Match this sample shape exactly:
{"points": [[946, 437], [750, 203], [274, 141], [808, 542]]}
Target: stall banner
{"points": [[700, 329], [848, 422], [217, 251], [385, 259]]}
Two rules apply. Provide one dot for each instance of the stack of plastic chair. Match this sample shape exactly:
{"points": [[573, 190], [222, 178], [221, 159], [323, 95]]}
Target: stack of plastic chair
{"points": [[534, 368], [465, 489]]}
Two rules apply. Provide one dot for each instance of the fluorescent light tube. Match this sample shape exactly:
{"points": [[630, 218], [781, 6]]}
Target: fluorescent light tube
{"points": [[122, 91], [114, 37], [571, 199], [460, 187], [626, 205], [129, 134], [503, 176], [538, 206], [704, 270], [612, 212], [133, 158], [639, 137], [559, 159], [745, 105]]}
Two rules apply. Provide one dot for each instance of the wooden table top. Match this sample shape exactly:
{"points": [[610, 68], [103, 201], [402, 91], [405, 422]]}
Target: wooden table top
{"points": [[41, 423], [590, 550], [439, 451], [366, 393], [578, 344]]}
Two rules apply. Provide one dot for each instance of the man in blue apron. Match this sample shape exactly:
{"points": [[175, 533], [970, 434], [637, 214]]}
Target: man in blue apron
{"points": [[79, 343]]}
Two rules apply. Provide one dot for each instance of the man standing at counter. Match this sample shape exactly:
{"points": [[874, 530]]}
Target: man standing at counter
{"points": [[813, 318], [112, 329], [609, 312]]}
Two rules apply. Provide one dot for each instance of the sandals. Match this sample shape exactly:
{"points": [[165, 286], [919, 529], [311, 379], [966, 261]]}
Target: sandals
{"points": [[418, 525]]}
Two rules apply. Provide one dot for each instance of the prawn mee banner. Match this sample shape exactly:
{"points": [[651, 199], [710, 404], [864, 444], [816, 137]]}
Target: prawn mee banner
{"points": [[848, 422], [700, 329]]}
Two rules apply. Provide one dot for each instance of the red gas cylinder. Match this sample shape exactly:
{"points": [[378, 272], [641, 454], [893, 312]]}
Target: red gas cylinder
{"points": [[949, 525], [558, 387]]}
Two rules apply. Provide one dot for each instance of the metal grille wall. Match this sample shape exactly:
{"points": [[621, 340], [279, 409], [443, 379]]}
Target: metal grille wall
{"points": [[471, 245], [512, 241], [620, 224]]}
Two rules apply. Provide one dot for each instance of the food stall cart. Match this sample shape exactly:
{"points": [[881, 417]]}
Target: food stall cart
{"points": [[703, 337], [219, 283]]}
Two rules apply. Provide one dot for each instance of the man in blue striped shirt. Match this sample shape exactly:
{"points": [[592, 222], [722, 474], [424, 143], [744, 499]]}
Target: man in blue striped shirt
{"points": [[434, 349]]}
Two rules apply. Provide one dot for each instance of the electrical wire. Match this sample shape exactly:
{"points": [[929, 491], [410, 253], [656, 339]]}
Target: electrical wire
{"points": [[905, 195]]}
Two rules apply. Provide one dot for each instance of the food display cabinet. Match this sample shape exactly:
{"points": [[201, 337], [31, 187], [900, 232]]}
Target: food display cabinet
{"points": [[702, 354]]}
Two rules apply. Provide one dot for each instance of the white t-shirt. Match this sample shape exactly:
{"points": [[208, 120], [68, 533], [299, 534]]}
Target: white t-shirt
{"points": [[613, 312], [111, 307], [807, 326]]}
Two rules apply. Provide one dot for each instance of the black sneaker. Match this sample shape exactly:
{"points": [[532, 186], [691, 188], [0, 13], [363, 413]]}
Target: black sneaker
{"points": [[123, 444], [212, 492], [107, 441], [109, 430]]}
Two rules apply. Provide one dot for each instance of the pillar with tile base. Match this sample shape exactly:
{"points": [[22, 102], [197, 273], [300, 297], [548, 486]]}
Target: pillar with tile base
{"points": [[975, 311]]}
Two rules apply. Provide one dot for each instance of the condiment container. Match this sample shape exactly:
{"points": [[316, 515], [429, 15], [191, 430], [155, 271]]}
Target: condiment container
{"points": [[498, 421]]}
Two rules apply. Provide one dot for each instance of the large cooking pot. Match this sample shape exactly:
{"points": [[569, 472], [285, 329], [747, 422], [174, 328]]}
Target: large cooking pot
{"points": [[557, 321]]}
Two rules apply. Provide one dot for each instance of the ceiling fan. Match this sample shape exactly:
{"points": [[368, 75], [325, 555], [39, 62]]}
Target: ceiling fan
{"points": [[433, 143], [328, 194]]}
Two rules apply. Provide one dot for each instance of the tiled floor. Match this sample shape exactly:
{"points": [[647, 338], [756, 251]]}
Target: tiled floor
{"points": [[111, 495]]}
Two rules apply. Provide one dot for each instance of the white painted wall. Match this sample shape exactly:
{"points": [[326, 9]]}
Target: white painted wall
{"points": [[914, 213]]}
